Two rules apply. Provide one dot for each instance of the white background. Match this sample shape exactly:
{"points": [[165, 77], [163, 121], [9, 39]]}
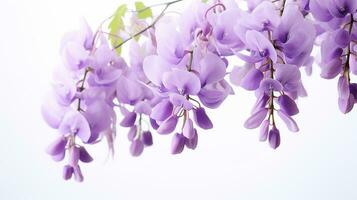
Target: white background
{"points": [[319, 162]]}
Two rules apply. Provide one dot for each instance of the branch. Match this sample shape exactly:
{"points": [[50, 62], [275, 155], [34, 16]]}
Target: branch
{"points": [[167, 5]]}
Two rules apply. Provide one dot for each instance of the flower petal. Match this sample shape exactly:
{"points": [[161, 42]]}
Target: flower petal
{"points": [[178, 143], [84, 156], [201, 118], [57, 147], [274, 138], [252, 79], [136, 148], [168, 126], [162, 110], [128, 120], [289, 121], [76, 124], [146, 138], [264, 130], [256, 119], [212, 69], [188, 130], [182, 82], [288, 105], [192, 143]]}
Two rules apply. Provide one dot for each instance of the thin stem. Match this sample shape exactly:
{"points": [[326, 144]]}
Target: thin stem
{"points": [[167, 5], [151, 6], [82, 88], [346, 68], [282, 8]]}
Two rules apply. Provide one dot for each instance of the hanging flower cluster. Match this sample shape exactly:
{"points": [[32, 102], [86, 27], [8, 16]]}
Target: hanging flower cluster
{"points": [[278, 42], [337, 26], [178, 66]]}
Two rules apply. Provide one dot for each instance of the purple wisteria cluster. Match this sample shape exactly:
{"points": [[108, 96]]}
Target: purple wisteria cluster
{"points": [[177, 70], [338, 31], [278, 41]]}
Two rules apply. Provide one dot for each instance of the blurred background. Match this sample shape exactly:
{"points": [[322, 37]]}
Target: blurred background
{"points": [[230, 163]]}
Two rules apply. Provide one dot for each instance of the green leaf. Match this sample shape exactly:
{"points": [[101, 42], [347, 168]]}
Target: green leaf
{"points": [[143, 11], [204, 1], [116, 25]]}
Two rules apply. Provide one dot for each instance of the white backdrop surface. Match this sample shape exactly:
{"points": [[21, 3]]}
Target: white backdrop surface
{"points": [[230, 163]]}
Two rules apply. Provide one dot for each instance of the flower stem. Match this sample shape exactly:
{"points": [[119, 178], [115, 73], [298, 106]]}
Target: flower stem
{"points": [[82, 88], [346, 68]]}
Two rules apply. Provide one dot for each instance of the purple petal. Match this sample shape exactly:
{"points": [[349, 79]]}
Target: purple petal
{"points": [[256, 119], [288, 75], [52, 112], [256, 41], [128, 91], [268, 85], [320, 11], [289, 121], [107, 75], [75, 123], [128, 120], [143, 107], [162, 110], [67, 172], [57, 147], [84, 156], [260, 103], [274, 138], [182, 82], [213, 95], [331, 69], [132, 133], [343, 88], [180, 101], [353, 90], [192, 143], [136, 148], [73, 156], [201, 118], [288, 105], [238, 73], [252, 79], [346, 104], [147, 138], [212, 69], [153, 123], [78, 176], [264, 130], [178, 143], [168, 126], [59, 157], [188, 130], [100, 116], [154, 67]]}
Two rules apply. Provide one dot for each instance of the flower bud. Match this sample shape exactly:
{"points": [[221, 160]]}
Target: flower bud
{"points": [[136, 148], [178, 143], [192, 142], [274, 138], [146, 138], [67, 172]]}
